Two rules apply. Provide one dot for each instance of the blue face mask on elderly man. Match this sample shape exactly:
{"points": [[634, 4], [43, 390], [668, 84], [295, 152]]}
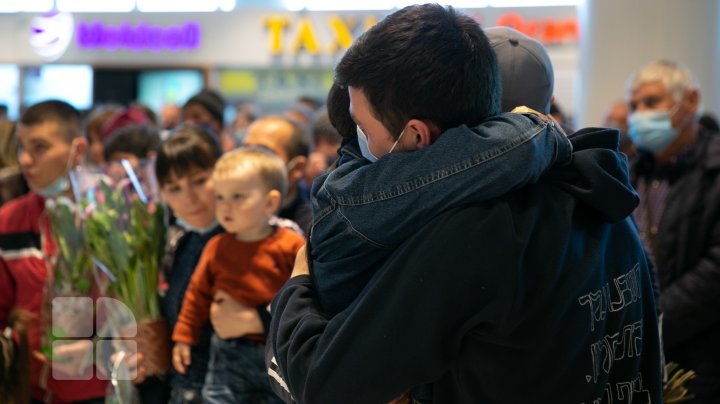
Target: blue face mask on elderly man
{"points": [[652, 130]]}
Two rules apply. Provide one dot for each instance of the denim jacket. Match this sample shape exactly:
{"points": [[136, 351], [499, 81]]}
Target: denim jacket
{"points": [[363, 210]]}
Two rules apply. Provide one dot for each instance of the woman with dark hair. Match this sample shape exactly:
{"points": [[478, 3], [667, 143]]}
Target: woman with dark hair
{"points": [[183, 168]]}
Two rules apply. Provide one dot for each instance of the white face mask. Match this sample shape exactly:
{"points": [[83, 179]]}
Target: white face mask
{"points": [[365, 147]]}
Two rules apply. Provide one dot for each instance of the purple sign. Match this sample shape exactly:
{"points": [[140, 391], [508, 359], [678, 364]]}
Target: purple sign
{"points": [[142, 37]]}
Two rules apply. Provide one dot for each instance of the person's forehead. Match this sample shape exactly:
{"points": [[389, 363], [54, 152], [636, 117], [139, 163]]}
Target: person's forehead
{"points": [[48, 130], [651, 89], [242, 177]]}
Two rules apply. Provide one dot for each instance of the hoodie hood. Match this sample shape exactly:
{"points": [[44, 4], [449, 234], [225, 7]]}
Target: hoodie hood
{"points": [[598, 174]]}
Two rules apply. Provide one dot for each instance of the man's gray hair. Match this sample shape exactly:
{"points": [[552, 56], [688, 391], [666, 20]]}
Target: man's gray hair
{"points": [[676, 78]]}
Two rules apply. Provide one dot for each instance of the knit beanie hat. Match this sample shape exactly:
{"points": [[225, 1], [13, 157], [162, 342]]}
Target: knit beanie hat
{"points": [[211, 101]]}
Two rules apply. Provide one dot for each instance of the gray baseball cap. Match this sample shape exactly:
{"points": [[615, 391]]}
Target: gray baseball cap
{"points": [[525, 69]]}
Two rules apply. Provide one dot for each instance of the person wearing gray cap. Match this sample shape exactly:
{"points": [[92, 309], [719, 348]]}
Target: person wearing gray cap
{"points": [[539, 295], [526, 71]]}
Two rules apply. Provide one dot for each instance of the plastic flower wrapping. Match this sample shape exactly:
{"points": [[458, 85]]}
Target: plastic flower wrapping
{"points": [[106, 249], [68, 316]]}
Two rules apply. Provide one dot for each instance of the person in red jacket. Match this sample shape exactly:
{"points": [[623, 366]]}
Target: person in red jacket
{"points": [[50, 142]]}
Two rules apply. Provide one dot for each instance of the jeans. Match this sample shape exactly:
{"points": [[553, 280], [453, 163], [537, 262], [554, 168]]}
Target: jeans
{"points": [[187, 388], [237, 373]]}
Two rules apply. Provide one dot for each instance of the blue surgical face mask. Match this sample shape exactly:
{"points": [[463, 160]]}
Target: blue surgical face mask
{"points": [[57, 188], [652, 130], [365, 148]]}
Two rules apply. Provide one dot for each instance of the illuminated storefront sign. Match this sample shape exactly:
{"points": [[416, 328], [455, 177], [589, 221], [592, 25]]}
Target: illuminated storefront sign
{"points": [[292, 36], [306, 37], [140, 37], [548, 31]]}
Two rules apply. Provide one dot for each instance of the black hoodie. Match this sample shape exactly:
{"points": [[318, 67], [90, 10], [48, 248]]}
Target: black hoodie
{"points": [[541, 296]]}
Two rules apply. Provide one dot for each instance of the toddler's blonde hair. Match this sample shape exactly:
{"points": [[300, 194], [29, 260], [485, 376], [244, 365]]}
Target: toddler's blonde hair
{"points": [[267, 165]]}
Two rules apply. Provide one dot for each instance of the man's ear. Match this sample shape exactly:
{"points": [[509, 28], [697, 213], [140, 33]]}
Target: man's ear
{"points": [[274, 199], [296, 168], [692, 100], [81, 145], [421, 134]]}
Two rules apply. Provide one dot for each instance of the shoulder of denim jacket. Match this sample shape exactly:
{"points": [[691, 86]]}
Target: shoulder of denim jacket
{"points": [[527, 110]]}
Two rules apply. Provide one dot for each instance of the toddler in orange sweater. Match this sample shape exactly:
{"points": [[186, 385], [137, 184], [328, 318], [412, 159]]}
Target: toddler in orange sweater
{"points": [[250, 263]]}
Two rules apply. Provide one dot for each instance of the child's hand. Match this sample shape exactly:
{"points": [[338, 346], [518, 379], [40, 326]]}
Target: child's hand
{"points": [[181, 357], [301, 265]]}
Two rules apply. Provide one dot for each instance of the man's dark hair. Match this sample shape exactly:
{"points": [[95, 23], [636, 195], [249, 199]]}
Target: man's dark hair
{"points": [[323, 129], [138, 140], [338, 105], [424, 62], [311, 102], [54, 111], [188, 148]]}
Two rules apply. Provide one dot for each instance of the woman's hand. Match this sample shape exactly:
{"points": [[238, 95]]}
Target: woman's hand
{"points": [[232, 319]]}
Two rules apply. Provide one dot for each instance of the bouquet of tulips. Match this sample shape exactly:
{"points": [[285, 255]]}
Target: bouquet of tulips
{"points": [[69, 255], [68, 313], [125, 233], [126, 237], [103, 252]]}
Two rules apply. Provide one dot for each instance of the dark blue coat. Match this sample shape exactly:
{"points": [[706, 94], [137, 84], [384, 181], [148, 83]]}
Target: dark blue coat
{"points": [[541, 296]]}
